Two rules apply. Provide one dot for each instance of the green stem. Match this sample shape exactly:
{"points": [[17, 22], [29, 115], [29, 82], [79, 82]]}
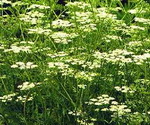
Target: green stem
{"points": [[4, 85], [68, 95]]}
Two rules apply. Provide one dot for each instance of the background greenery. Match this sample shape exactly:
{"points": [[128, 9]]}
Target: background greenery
{"points": [[85, 63]]}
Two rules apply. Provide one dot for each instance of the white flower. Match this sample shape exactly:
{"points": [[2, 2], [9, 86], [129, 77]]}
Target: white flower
{"points": [[82, 86], [8, 97], [51, 65], [22, 65], [104, 95], [5, 1], [26, 86], [117, 88], [133, 11], [14, 66], [24, 98], [142, 20], [33, 6], [61, 23], [39, 31], [127, 110], [94, 100], [59, 35], [137, 27], [18, 49], [98, 103], [114, 103], [104, 109], [18, 3]]}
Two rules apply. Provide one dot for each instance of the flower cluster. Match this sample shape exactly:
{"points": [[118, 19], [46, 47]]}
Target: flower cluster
{"points": [[32, 17], [132, 28], [39, 31], [2, 47], [8, 97], [63, 37], [18, 3], [135, 44], [82, 86], [103, 13], [61, 23], [122, 56], [5, 1], [24, 98], [117, 109], [59, 54], [27, 85], [117, 55], [142, 20], [18, 49], [143, 81], [136, 11], [59, 65], [100, 100], [22, 65], [37, 6], [124, 89], [112, 37], [85, 75]]}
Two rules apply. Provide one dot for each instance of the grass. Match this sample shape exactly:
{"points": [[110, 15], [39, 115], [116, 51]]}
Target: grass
{"points": [[85, 63]]}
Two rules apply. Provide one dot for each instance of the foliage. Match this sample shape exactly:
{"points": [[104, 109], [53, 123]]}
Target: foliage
{"points": [[86, 63]]}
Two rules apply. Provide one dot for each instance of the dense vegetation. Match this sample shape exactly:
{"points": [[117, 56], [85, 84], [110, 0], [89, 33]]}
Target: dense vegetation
{"points": [[78, 63]]}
